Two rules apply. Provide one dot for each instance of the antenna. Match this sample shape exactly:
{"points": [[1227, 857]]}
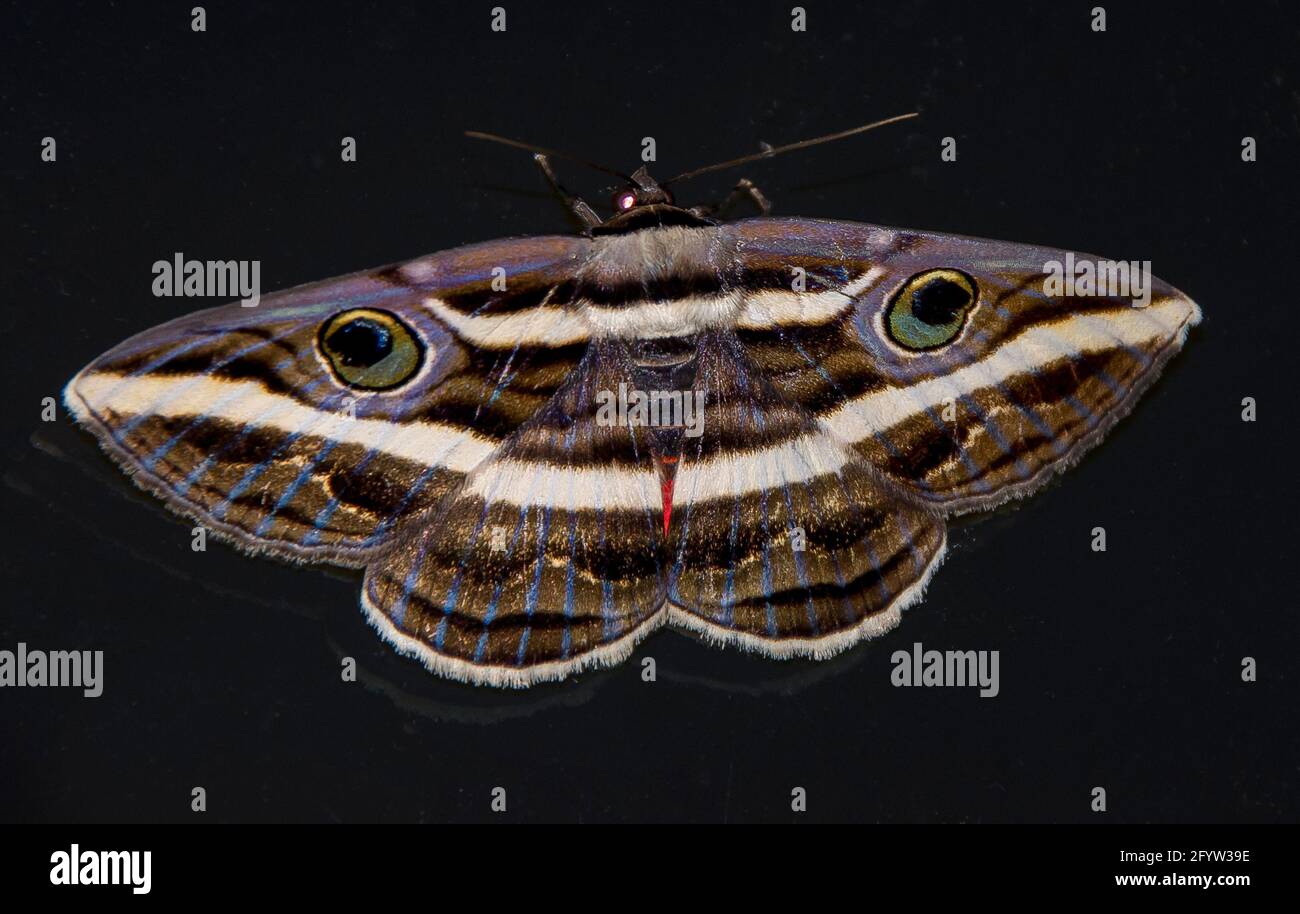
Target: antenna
{"points": [[542, 150], [803, 144]]}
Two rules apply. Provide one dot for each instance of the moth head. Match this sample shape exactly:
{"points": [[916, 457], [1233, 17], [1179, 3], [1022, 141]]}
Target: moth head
{"points": [[644, 204], [643, 191], [929, 310], [369, 349], [625, 199]]}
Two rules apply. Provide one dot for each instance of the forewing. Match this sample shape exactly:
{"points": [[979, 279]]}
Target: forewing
{"points": [[233, 416], [1031, 381], [785, 540], [548, 558]]}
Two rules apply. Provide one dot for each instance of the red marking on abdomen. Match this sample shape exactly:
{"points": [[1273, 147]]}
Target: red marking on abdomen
{"points": [[667, 475]]}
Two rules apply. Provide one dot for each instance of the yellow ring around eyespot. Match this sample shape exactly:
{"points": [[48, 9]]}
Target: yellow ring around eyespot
{"points": [[398, 366], [908, 330]]}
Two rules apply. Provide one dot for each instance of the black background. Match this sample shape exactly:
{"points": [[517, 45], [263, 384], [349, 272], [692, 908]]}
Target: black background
{"points": [[1119, 669]]}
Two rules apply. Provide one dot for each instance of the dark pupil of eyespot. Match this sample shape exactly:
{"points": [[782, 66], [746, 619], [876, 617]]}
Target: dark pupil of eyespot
{"points": [[361, 343], [939, 301]]}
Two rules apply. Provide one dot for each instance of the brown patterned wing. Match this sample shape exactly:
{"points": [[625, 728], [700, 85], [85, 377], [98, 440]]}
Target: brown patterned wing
{"points": [[252, 421], [785, 540], [548, 558], [964, 401]]}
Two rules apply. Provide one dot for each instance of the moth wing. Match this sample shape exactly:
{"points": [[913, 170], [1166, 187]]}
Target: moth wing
{"points": [[785, 541], [1031, 381], [548, 558], [233, 416]]}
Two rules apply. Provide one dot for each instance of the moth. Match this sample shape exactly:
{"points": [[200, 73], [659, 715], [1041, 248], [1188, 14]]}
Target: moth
{"points": [[444, 424]]}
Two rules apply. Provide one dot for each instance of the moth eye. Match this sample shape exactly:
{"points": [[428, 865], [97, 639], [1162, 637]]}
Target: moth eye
{"points": [[930, 309], [624, 200], [371, 350]]}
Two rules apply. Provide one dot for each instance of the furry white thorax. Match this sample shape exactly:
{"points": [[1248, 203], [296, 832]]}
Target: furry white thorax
{"points": [[660, 252], [654, 320]]}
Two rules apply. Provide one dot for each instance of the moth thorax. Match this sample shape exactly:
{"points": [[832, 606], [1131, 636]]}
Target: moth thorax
{"points": [[658, 283], [673, 317]]}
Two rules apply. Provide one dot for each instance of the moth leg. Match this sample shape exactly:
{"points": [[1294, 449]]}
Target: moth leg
{"points": [[584, 213], [744, 188]]}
